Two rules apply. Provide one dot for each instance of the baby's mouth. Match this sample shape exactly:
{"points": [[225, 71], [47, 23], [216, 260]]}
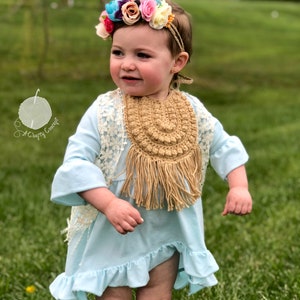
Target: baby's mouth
{"points": [[130, 78]]}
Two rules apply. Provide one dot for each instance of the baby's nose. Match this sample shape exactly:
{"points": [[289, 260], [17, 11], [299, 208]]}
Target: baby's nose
{"points": [[128, 65]]}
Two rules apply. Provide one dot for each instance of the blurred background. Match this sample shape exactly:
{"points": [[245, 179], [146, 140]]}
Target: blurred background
{"points": [[246, 70]]}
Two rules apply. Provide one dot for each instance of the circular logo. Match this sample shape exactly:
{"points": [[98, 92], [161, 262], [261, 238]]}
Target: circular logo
{"points": [[35, 112]]}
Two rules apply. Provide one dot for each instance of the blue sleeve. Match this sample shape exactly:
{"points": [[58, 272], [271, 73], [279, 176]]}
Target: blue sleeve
{"points": [[78, 172], [227, 152]]}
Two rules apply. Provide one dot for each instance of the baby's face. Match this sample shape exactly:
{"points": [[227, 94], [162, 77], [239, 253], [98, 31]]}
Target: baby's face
{"points": [[140, 62]]}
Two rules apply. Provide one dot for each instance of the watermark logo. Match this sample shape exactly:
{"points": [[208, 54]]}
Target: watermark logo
{"points": [[34, 113]]}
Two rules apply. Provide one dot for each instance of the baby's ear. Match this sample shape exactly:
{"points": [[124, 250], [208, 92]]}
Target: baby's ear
{"points": [[180, 62]]}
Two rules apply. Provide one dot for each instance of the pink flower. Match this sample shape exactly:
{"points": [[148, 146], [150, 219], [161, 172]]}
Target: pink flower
{"points": [[147, 8], [103, 16], [108, 23], [131, 13]]}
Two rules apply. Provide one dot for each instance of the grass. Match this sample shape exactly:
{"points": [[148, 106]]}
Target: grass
{"points": [[246, 70]]}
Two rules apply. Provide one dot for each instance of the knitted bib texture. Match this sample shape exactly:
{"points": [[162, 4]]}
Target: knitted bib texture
{"points": [[163, 165]]}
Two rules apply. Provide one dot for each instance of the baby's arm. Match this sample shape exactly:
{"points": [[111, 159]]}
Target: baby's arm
{"points": [[120, 213], [238, 200]]}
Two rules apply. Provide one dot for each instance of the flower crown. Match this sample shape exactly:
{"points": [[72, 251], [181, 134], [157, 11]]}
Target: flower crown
{"points": [[158, 13]]}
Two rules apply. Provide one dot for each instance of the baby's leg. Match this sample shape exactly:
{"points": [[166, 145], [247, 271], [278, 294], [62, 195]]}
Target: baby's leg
{"points": [[162, 279], [116, 293]]}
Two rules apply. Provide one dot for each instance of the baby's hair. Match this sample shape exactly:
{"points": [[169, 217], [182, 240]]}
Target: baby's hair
{"points": [[182, 22]]}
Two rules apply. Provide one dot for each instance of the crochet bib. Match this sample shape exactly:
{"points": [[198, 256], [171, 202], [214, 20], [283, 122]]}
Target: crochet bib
{"points": [[163, 165]]}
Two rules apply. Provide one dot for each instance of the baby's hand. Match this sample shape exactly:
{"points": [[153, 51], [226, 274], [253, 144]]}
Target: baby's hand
{"points": [[238, 202], [122, 215]]}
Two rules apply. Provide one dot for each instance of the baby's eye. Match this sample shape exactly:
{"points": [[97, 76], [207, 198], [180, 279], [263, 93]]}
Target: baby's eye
{"points": [[143, 55], [116, 52]]}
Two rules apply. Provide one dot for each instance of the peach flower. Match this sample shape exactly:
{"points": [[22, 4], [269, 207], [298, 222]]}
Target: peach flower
{"points": [[131, 13], [101, 31]]}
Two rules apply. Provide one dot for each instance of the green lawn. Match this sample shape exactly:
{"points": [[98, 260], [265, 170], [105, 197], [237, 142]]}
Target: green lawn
{"points": [[246, 69]]}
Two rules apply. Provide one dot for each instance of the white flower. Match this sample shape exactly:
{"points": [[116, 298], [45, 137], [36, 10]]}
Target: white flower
{"points": [[161, 15]]}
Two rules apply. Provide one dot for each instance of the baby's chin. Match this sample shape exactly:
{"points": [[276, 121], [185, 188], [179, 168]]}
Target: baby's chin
{"points": [[133, 94]]}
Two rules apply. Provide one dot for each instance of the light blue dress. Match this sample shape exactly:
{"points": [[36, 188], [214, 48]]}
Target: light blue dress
{"points": [[98, 256]]}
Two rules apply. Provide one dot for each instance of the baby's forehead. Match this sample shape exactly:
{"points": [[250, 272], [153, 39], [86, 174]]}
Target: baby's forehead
{"points": [[141, 33]]}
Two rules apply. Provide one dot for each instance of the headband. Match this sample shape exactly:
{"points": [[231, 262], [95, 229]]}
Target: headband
{"points": [[157, 13]]}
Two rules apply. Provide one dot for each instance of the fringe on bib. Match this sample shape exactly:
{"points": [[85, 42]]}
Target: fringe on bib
{"points": [[163, 165]]}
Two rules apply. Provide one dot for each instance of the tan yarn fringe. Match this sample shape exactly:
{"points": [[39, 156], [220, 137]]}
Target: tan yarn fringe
{"points": [[155, 182], [171, 174]]}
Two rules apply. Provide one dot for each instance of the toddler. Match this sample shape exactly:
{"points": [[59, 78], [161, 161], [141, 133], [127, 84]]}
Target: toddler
{"points": [[134, 169]]}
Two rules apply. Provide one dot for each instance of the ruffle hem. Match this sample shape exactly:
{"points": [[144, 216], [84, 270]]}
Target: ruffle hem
{"points": [[196, 269]]}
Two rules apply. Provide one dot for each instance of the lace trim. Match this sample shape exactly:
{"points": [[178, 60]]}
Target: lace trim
{"points": [[81, 218], [112, 132], [112, 140], [206, 125]]}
